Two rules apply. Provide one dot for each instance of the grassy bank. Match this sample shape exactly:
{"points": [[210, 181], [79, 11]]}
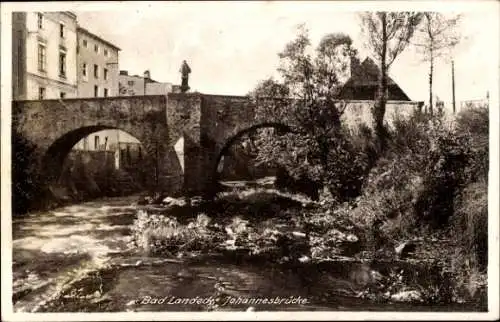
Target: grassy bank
{"points": [[429, 190]]}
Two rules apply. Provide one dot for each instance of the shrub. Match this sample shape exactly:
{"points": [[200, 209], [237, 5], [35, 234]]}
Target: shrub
{"points": [[307, 163], [445, 170], [471, 223], [25, 181], [347, 166], [475, 122], [414, 183]]}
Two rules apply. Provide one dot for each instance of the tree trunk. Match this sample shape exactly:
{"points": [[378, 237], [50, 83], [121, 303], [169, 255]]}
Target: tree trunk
{"points": [[453, 84], [430, 84], [430, 79], [378, 111], [431, 59]]}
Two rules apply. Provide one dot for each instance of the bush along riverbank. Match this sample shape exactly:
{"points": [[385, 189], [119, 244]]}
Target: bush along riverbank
{"points": [[417, 230], [298, 234]]}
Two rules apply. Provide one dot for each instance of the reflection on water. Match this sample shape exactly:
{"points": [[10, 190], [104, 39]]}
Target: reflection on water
{"points": [[66, 249]]}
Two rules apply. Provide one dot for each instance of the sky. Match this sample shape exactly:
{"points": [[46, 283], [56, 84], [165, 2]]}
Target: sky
{"points": [[231, 46]]}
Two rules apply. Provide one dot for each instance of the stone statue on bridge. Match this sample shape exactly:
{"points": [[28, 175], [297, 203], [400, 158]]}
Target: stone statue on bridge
{"points": [[185, 71]]}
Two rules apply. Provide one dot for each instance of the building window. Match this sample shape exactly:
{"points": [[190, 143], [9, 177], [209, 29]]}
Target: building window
{"points": [[62, 64], [41, 93], [61, 30], [105, 74], [96, 48], [84, 70], [62, 95], [96, 90], [96, 142], [96, 71], [105, 92], [84, 43], [42, 58], [106, 53], [40, 20]]}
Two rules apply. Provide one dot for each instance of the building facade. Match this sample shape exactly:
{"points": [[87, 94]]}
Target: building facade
{"points": [[97, 72], [131, 85], [44, 55], [97, 65]]}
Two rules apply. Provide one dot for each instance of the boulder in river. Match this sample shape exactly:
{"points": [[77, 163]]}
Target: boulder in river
{"points": [[298, 234], [407, 296], [169, 201], [196, 201]]}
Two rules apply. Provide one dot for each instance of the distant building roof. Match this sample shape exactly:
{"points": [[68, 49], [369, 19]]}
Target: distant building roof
{"points": [[71, 14], [365, 75], [148, 79], [85, 31]]}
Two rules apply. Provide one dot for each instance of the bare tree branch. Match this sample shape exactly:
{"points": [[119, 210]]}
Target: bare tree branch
{"points": [[436, 38], [387, 35]]}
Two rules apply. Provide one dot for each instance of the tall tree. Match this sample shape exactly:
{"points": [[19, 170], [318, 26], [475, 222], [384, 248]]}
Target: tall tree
{"points": [[436, 36], [388, 34], [270, 88], [318, 149], [334, 56]]}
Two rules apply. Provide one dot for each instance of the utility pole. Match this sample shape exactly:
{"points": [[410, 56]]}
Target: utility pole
{"points": [[453, 84]]}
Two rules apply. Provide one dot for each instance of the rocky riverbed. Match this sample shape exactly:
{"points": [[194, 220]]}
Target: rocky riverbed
{"points": [[118, 255]]}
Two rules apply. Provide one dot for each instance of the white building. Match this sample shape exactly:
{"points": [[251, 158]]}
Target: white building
{"points": [[130, 85], [44, 55]]}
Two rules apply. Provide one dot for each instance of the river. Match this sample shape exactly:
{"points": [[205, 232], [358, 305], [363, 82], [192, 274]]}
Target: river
{"points": [[81, 258]]}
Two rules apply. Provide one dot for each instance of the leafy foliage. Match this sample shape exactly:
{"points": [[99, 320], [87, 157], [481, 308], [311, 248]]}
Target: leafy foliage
{"points": [[388, 33], [475, 122], [319, 148], [25, 181]]}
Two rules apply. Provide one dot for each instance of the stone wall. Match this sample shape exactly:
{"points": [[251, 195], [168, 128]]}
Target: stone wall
{"points": [[359, 111]]}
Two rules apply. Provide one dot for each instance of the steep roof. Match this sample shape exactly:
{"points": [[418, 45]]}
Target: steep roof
{"points": [[85, 31], [366, 74]]}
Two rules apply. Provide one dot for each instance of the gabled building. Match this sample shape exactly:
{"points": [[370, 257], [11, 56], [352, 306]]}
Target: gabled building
{"points": [[363, 82], [97, 65]]}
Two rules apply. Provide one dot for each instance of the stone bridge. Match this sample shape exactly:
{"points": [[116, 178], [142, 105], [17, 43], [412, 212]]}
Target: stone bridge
{"points": [[209, 124]]}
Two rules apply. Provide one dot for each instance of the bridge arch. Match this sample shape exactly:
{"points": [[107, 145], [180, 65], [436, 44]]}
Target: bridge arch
{"points": [[54, 156], [238, 134]]}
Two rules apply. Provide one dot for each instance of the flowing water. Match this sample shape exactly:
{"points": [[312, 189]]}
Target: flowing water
{"points": [[81, 258]]}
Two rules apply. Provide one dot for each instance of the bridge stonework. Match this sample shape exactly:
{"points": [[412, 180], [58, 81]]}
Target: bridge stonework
{"points": [[207, 123]]}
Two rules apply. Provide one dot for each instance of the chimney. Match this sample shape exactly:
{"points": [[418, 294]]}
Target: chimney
{"points": [[124, 72], [147, 74]]}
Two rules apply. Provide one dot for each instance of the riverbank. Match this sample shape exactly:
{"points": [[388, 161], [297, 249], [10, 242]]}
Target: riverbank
{"points": [[85, 258], [267, 226]]}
